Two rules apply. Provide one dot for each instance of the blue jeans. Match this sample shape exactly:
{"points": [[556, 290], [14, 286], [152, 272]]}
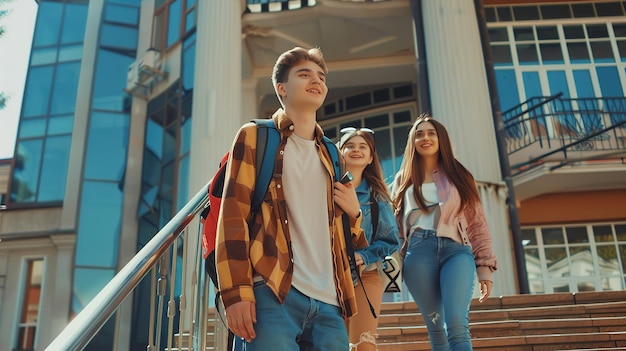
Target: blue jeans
{"points": [[440, 273], [300, 323]]}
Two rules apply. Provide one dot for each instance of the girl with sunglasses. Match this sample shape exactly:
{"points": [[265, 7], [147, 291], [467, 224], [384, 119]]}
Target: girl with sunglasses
{"points": [[359, 152], [446, 237]]}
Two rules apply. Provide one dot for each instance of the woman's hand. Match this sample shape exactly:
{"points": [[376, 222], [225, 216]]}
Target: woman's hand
{"points": [[485, 289], [345, 197]]}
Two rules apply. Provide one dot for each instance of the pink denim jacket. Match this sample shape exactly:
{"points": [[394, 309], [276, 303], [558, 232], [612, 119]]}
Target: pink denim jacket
{"points": [[469, 227]]}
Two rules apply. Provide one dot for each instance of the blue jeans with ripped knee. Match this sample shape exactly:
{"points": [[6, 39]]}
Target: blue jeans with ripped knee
{"points": [[440, 273]]}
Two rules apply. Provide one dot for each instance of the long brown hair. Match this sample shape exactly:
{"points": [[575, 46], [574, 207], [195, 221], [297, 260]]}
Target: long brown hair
{"points": [[412, 169], [373, 173]]}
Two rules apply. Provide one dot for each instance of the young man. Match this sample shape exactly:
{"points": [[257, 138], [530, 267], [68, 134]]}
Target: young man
{"points": [[285, 280]]}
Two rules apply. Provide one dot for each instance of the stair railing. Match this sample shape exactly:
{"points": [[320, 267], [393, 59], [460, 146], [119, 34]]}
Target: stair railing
{"points": [[155, 258]]}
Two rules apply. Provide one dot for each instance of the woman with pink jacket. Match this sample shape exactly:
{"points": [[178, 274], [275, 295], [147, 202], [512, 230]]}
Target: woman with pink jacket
{"points": [[446, 237]]}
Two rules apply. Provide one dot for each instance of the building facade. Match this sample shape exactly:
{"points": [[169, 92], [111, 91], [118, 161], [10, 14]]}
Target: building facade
{"points": [[130, 104]]}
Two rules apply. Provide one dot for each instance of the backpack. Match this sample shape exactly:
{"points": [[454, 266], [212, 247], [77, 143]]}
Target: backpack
{"points": [[268, 139]]}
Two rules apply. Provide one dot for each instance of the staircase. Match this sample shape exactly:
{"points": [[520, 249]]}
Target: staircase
{"points": [[561, 321]]}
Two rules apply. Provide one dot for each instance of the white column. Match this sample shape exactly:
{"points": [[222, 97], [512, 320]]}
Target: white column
{"points": [[217, 90], [460, 100]]}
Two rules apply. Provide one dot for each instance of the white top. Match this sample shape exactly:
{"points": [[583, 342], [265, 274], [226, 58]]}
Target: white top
{"points": [[304, 179], [427, 220]]}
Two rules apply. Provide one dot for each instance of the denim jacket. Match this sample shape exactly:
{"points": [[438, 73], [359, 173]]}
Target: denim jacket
{"points": [[387, 240], [469, 227]]}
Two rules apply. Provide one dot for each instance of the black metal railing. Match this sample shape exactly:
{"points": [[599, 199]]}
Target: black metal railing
{"points": [[554, 124]]}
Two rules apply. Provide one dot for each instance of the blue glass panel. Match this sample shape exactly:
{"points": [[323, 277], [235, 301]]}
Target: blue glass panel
{"points": [[610, 84], [48, 23], [26, 172], [111, 72], [43, 56], [173, 27], [183, 182], [61, 124], [189, 60], [190, 21], [34, 127], [121, 14], [107, 145], [532, 84], [578, 53], [37, 92], [99, 224], [565, 122], [65, 88], [87, 284], [118, 37], [54, 169], [189, 4], [167, 178], [154, 138], [507, 88], [602, 52], [169, 144], [584, 89], [74, 23], [185, 142], [70, 53], [584, 86]]}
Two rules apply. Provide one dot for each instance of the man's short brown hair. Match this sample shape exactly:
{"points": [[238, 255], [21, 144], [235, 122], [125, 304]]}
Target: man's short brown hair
{"points": [[291, 58]]}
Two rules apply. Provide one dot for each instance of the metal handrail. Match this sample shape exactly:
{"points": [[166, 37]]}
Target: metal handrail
{"points": [[77, 334]]}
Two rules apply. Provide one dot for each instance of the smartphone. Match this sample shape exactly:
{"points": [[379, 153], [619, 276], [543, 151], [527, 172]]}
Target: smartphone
{"points": [[347, 177]]}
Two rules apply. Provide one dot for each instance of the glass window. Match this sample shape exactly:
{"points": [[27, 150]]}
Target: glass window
{"points": [[504, 13], [551, 53], [121, 14], [620, 30], [65, 88], [532, 84], [609, 8], [602, 52], [578, 53], [189, 60], [26, 172], [74, 23], [107, 146], [48, 24], [558, 83], [620, 232], [552, 236], [523, 33], [597, 31], [507, 88], [524, 13], [583, 10], [61, 124], [621, 46], [529, 237], [576, 235], [610, 84], [185, 131], [547, 33], [557, 263], [110, 80], [527, 54], [498, 34], [582, 262], [603, 233], [584, 86], [31, 305], [99, 224], [70, 53], [555, 11], [54, 169], [574, 32], [501, 55], [33, 127], [154, 139], [43, 56], [37, 92], [174, 20], [87, 284], [118, 36]]}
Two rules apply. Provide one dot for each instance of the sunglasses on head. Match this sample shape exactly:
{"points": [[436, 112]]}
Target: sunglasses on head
{"points": [[353, 129]]}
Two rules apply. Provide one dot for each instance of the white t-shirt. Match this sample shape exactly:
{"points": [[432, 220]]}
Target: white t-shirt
{"points": [[304, 179]]}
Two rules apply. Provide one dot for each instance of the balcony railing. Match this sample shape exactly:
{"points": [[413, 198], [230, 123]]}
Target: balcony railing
{"points": [[544, 127], [176, 322]]}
